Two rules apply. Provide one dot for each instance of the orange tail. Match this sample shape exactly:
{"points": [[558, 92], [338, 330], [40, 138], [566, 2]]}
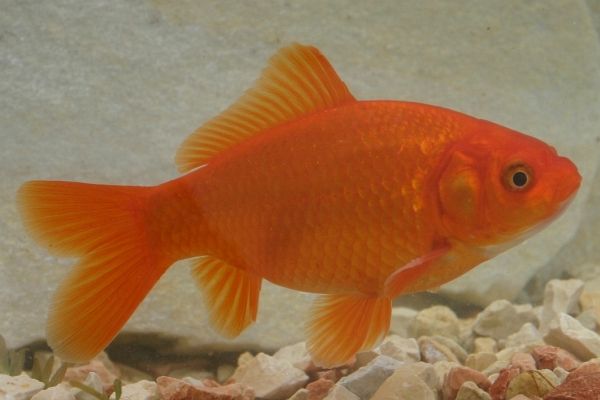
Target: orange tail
{"points": [[106, 226]]}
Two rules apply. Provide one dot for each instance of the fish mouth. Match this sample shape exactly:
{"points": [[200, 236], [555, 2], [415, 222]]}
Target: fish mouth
{"points": [[567, 182]]}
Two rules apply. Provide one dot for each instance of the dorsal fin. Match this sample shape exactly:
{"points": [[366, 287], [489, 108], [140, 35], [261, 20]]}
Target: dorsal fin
{"points": [[298, 80]]}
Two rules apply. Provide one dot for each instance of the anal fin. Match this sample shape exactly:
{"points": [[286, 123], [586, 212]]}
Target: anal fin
{"points": [[231, 294], [343, 325]]}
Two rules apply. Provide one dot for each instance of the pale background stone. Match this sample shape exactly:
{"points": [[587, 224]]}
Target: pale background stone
{"points": [[105, 92]]}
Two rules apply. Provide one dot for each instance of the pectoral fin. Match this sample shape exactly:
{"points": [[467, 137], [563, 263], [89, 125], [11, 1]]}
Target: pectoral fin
{"points": [[400, 279]]}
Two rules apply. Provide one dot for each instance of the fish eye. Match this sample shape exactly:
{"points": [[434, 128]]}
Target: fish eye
{"points": [[517, 177]]}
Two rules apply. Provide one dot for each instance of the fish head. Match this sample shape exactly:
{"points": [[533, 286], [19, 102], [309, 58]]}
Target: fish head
{"points": [[498, 186]]}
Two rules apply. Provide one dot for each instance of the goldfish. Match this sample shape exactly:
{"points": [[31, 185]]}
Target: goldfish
{"points": [[300, 184]]}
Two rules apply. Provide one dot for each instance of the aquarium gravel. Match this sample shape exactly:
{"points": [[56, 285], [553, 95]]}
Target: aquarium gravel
{"points": [[507, 351]]}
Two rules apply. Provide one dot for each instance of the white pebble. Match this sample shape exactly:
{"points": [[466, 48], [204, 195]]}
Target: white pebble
{"points": [[502, 318], [394, 346], [20, 387], [339, 392], [436, 320], [402, 321], [470, 391], [142, 390], [561, 374], [403, 384], [271, 379], [528, 334], [366, 380], [295, 354], [566, 332], [589, 319], [441, 369], [495, 367], [480, 361], [301, 394], [485, 345], [62, 391], [560, 296], [92, 380], [454, 347], [400, 349]]}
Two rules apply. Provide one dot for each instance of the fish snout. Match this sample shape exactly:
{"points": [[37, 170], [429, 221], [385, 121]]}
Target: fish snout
{"points": [[567, 180]]}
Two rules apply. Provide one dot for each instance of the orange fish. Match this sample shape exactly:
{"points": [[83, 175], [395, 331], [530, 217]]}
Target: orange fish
{"points": [[302, 185]]}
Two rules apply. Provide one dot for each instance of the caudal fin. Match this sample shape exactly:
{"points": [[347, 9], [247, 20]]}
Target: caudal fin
{"points": [[106, 227]]}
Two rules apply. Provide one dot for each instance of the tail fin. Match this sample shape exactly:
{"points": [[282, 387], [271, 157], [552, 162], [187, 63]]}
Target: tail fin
{"points": [[106, 226]]}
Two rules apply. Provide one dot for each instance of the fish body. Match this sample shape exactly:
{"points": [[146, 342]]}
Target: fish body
{"points": [[300, 184], [334, 202]]}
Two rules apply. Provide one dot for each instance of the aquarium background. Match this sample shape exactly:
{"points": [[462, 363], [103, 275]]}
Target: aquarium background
{"points": [[105, 92]]}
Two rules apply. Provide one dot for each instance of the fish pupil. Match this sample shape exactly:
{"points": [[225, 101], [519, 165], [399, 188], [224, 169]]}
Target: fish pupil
{"points": [[519, 179]]}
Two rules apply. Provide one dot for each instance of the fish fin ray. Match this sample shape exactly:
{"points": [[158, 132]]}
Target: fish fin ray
{"points": [[104, 225], [69, 218], [230, 293], [343, 325], [80, 325], [298, 80]]}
